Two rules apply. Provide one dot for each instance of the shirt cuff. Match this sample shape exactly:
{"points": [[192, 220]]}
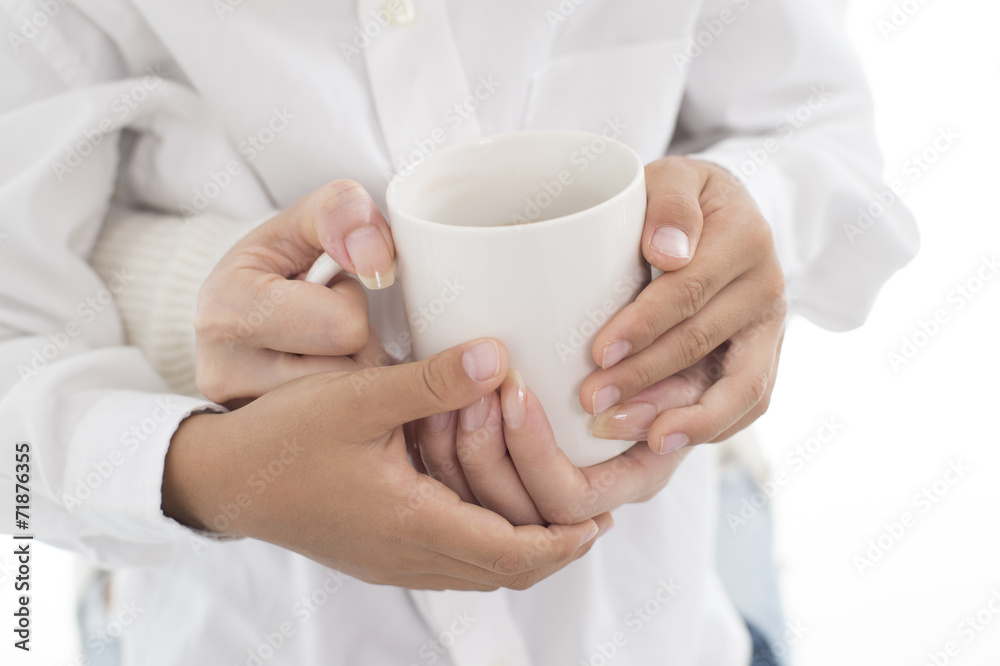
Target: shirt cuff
{"points": [[114, 471]]}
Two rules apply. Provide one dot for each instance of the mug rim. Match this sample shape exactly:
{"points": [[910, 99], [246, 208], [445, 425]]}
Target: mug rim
{"points": [[399, 180]]}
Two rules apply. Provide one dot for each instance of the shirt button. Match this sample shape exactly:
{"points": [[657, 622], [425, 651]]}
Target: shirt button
{"points": [[402, 12]]}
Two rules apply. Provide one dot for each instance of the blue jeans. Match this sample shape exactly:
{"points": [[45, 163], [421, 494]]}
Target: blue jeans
{"points": [[745, 560]]}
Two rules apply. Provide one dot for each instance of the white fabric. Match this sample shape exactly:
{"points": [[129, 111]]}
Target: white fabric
{"points": [[235, 109]]}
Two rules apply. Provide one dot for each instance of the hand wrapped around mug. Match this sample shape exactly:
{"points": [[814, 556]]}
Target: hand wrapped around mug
{"points": [[692, 360]]}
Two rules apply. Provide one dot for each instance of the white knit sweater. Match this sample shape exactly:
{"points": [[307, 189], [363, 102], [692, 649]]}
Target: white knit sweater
{"points": [[169, 259]]}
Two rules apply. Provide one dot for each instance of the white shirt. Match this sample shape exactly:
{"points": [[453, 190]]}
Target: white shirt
{"points": [[237, 108]]}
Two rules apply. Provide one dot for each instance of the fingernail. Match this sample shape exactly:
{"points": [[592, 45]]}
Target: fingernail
{"points": [[515, 406], [606, 397], [482, 362], [615, 352], [672, 242], [590, 534], [628, 421], [437, 422], [370, 255], [672, 442], [610, 526], [474, 416]]}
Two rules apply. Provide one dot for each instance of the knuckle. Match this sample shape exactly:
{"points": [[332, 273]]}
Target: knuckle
{"points": [[693, 294], [524, 582], [511, 562], [353, 333], [340, 191], [757, 384], [697, 340], [434, 380], [645, 373], [680, 207], [212, 385], [338, 194], [761, 237]]}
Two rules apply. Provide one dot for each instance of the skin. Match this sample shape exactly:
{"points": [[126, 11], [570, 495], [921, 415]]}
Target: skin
{"points": [[347, 495], [705, 342], [703, 345]]}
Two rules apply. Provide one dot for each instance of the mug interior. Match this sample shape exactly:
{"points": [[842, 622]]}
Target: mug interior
{"points": [[516, 178]]}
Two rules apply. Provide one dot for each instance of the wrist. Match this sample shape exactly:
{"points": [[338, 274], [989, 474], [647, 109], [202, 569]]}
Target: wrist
{"points": [[197, 473]]}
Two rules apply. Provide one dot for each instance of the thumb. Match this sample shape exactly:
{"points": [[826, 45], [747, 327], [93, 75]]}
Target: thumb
{"points": [[673, 214], [340, 219], [387, 397]]}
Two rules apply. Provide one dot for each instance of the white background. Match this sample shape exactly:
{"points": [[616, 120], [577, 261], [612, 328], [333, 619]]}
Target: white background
{"points": [[941, 69], [902, 426]]}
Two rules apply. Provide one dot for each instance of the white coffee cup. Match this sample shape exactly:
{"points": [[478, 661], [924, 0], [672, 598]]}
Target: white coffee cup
{"points": [[532, 238]]}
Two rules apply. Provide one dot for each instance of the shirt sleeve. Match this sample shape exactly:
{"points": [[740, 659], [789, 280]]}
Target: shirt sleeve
{"points": [[96, 414], [777, 96]]}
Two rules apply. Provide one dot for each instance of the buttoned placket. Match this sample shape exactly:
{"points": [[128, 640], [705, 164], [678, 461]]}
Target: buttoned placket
{"points": [[418, 84], [420, 91]]}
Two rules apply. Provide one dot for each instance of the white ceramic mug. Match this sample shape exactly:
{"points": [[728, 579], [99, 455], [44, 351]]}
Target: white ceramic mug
{"points": [[532, 238]]}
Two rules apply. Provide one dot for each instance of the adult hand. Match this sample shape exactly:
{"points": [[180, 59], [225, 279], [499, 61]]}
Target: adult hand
{"points": [[722, 291], [258, 327], [501, 452], [347, 495]]}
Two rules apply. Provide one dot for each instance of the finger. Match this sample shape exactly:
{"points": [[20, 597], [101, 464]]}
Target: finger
{"points": [[258, 372], [565, 494], [436, 443], [680, 347], [761, 407], [441, 383], [552, 481], [341, 219], [746, 376], [303, 318], [631, 420], [499, 548], [487, 466], [464, 571], [672, 298], [673, 212], [373, 355]]}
